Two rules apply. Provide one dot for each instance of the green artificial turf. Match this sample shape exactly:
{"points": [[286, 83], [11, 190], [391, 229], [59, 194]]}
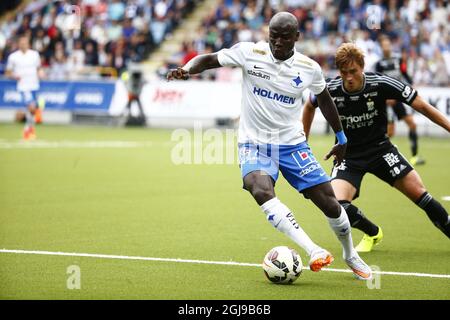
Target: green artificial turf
{"points": [[132, 200]]}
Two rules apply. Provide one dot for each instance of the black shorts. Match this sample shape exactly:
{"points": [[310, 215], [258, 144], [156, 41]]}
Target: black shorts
{"points": [[388, 165]]}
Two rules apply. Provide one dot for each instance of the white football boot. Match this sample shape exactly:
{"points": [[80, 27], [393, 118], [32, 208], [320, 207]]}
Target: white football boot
{"points": [[360, 269]]}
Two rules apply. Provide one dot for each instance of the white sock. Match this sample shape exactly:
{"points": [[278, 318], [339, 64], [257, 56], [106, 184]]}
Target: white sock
{"points": [[342, 229], [282, 218]]}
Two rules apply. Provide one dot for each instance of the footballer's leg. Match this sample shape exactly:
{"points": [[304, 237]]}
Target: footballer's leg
{"points": [[303, 172], [402, 114], [323, 197], [414, 140], [346, 183], [261, 187], [259, 171], [394, 169], [29, 131], [391, 118], [412, 186], [345, 193]]}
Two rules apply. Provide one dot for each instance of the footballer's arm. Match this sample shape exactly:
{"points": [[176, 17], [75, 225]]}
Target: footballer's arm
{"points": [[430, 112], [196, 65], [10, 74], [308, 114], [329, 111]]}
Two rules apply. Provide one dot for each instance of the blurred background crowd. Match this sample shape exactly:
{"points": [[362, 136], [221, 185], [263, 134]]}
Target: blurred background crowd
{"points": [[111, 33], [114, 33]]}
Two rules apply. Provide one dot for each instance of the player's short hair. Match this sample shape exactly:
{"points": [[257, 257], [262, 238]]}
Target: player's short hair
{"points": [[348, 52]]}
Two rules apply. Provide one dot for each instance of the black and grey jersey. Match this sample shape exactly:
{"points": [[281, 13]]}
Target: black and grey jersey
{"points": [[363, 114], [392, 67]]}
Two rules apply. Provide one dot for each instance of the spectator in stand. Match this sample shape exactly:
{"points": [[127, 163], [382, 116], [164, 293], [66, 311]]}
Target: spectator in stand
{"points": [[128, 30], [91, 55], [114, 31], [59, 69], [116, 10], [76, 60], [105, 23], [190, 52], [420, 27]]}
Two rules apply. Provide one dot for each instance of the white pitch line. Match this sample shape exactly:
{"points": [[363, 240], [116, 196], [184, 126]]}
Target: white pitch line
{"points": [[446, 198], [230, 263], [68, 144], [43, 144]]}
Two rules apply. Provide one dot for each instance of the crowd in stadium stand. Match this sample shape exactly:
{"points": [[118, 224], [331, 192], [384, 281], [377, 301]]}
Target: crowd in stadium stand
{"points": [[110, 33], [420, 31], [114, 33]]}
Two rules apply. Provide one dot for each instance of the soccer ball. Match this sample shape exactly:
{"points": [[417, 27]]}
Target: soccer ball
{"points": [[282, 265]]}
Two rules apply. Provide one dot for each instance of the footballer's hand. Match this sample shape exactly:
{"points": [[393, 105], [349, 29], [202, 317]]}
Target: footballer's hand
{"points": [[178, 74], [338, 151]]}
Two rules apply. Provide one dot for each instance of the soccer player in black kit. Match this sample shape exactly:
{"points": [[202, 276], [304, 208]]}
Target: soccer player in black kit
{"points": [[394, 66], [361, 102]]}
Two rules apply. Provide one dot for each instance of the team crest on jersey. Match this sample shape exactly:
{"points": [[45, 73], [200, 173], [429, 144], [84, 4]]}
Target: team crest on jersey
{"points": [[296, 82], [370, 105]]}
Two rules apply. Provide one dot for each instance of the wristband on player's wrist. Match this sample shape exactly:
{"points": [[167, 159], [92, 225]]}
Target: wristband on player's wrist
{"points": [[341, 138]]}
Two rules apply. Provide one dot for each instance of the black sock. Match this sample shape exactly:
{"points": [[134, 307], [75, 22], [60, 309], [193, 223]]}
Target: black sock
{"points": [[413, 139], [358, 220], [436, 212]]}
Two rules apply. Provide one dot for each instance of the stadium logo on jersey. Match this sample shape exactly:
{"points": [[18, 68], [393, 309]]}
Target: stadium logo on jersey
{"points": [[273, 96], [296, 82], [258, 74], [354, 98]]}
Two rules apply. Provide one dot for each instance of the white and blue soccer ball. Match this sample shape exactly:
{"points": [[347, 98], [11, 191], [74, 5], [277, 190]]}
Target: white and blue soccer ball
{"points": [[282, 265]]}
